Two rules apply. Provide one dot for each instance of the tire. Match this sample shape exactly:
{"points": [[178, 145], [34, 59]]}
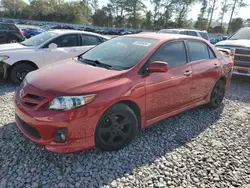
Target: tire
{"points": [[19, 71], [12, 40], [116, 128], [217, 94]]}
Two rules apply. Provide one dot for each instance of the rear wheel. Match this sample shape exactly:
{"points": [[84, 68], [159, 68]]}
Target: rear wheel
{"points": [[217, 94], [19, 71], [12, 40], [116, 128]]}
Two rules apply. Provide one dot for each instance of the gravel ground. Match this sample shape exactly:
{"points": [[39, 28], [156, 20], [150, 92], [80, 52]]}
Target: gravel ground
{"points": [[199, 148]]}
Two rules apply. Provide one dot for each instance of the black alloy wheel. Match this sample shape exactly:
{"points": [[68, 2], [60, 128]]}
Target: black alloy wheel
{"points": [[116, 128], [217, 94]]}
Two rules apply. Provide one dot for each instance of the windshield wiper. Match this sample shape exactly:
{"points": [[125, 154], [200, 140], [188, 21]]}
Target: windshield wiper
{"points": [[98, 63]]}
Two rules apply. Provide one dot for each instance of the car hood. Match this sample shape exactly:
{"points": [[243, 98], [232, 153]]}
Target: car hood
{"points": [[14, 47], [239, 43], [70, 77]]}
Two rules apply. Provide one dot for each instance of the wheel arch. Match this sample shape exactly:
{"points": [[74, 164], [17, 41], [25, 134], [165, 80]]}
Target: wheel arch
{"points": [[22, 62], [133, 106]]}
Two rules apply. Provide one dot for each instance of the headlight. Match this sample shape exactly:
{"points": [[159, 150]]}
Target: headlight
{"points": [[70, 102], [3, 57]]}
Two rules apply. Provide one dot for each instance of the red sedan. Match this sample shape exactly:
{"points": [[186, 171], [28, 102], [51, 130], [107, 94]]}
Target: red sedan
{"points": [[105, 96]]}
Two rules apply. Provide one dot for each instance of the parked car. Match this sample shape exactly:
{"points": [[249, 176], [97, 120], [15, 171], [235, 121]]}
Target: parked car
{"points": [[240, 44], [10, 33], [128, 83], [196, 33], [31, 32], [16, 60]]}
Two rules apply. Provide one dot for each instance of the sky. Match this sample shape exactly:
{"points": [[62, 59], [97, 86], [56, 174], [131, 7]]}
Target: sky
{"points": [[243, 12]]}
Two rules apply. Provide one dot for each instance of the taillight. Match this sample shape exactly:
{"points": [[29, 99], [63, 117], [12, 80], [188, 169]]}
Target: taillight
{"points": [[21, 32]]}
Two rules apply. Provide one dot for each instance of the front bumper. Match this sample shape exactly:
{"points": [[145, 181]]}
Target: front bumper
{"points": [[4, 70], [40, 126], [244, 71]]}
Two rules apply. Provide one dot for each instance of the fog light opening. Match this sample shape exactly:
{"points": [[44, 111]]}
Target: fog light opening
{"points": [[61, 135]]}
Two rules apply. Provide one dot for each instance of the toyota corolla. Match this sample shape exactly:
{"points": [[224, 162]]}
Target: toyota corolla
{"points": [[103, 97]]}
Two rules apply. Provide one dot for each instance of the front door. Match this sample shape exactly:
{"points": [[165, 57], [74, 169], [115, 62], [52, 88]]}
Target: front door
{"points": [[68, 46], [169, 91]]}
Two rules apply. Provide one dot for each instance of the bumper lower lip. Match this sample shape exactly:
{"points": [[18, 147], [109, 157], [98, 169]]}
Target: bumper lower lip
{"points": [[50, 145]]}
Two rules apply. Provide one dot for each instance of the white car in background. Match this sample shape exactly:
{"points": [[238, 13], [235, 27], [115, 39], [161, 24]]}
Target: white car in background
{"points": [[18, 59]]}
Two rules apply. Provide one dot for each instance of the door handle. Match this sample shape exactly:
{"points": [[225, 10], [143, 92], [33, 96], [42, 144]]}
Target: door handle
{"points": [[216, 65], [187, 73]]}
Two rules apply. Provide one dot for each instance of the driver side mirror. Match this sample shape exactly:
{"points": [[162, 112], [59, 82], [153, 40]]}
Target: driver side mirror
{"points": [[224, 37], [52, 46], [158, 66]]}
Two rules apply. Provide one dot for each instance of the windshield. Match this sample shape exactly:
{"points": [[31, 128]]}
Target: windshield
{"points": [[204, 35], [39, 39], [243, 33], [170, 31], [120, 53]]}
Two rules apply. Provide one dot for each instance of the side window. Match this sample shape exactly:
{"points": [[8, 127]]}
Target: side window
{"points": [[198, 50], [65, 41], [2, 27], [211, 53], [183, 32], [88, 40], [192, 33], [174, 53]]}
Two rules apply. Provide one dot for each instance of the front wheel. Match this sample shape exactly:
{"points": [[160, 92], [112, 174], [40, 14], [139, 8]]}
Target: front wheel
{"points": [[19, 71], [116, 128], [217, 94]]}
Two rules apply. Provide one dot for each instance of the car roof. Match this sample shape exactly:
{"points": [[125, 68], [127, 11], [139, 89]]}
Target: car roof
{"points": [[186, 30], [164, 36], [68, 31]]}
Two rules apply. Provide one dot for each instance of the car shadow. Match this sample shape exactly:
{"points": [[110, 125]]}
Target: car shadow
{"points": [[94, 168], [7, 87], [241, 84]]}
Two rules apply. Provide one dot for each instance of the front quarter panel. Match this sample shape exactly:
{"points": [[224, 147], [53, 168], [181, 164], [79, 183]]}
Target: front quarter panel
{"points": [[34, 56], [127, 88]]}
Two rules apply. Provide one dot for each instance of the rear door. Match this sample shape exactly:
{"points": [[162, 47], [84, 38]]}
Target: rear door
{"points": [[168, 91], [88, 42], [3, 33], [206, 69]]}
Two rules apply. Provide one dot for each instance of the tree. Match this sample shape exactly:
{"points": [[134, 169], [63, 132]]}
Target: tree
{"points": [[201, 22], [212, 12], [182, 8], [224, 9], [156, 8], [247, 22], [237, 4], [13, 8], [147, 24], [95, 5], [236, 24], [134, 7]]}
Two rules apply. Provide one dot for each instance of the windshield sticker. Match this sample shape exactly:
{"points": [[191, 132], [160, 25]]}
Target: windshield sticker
{"points": [[139, 43]]}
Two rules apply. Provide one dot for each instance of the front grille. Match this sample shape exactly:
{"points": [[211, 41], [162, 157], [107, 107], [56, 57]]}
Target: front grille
{"points": [[242, 51], [36, 97], [242, 55], [29, 129], [31, 100], [241, 58]]}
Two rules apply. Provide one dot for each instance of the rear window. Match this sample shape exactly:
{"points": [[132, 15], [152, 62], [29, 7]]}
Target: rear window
{"points": [[204, 35], [11, 26], [198, 50], [170, 31]]}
